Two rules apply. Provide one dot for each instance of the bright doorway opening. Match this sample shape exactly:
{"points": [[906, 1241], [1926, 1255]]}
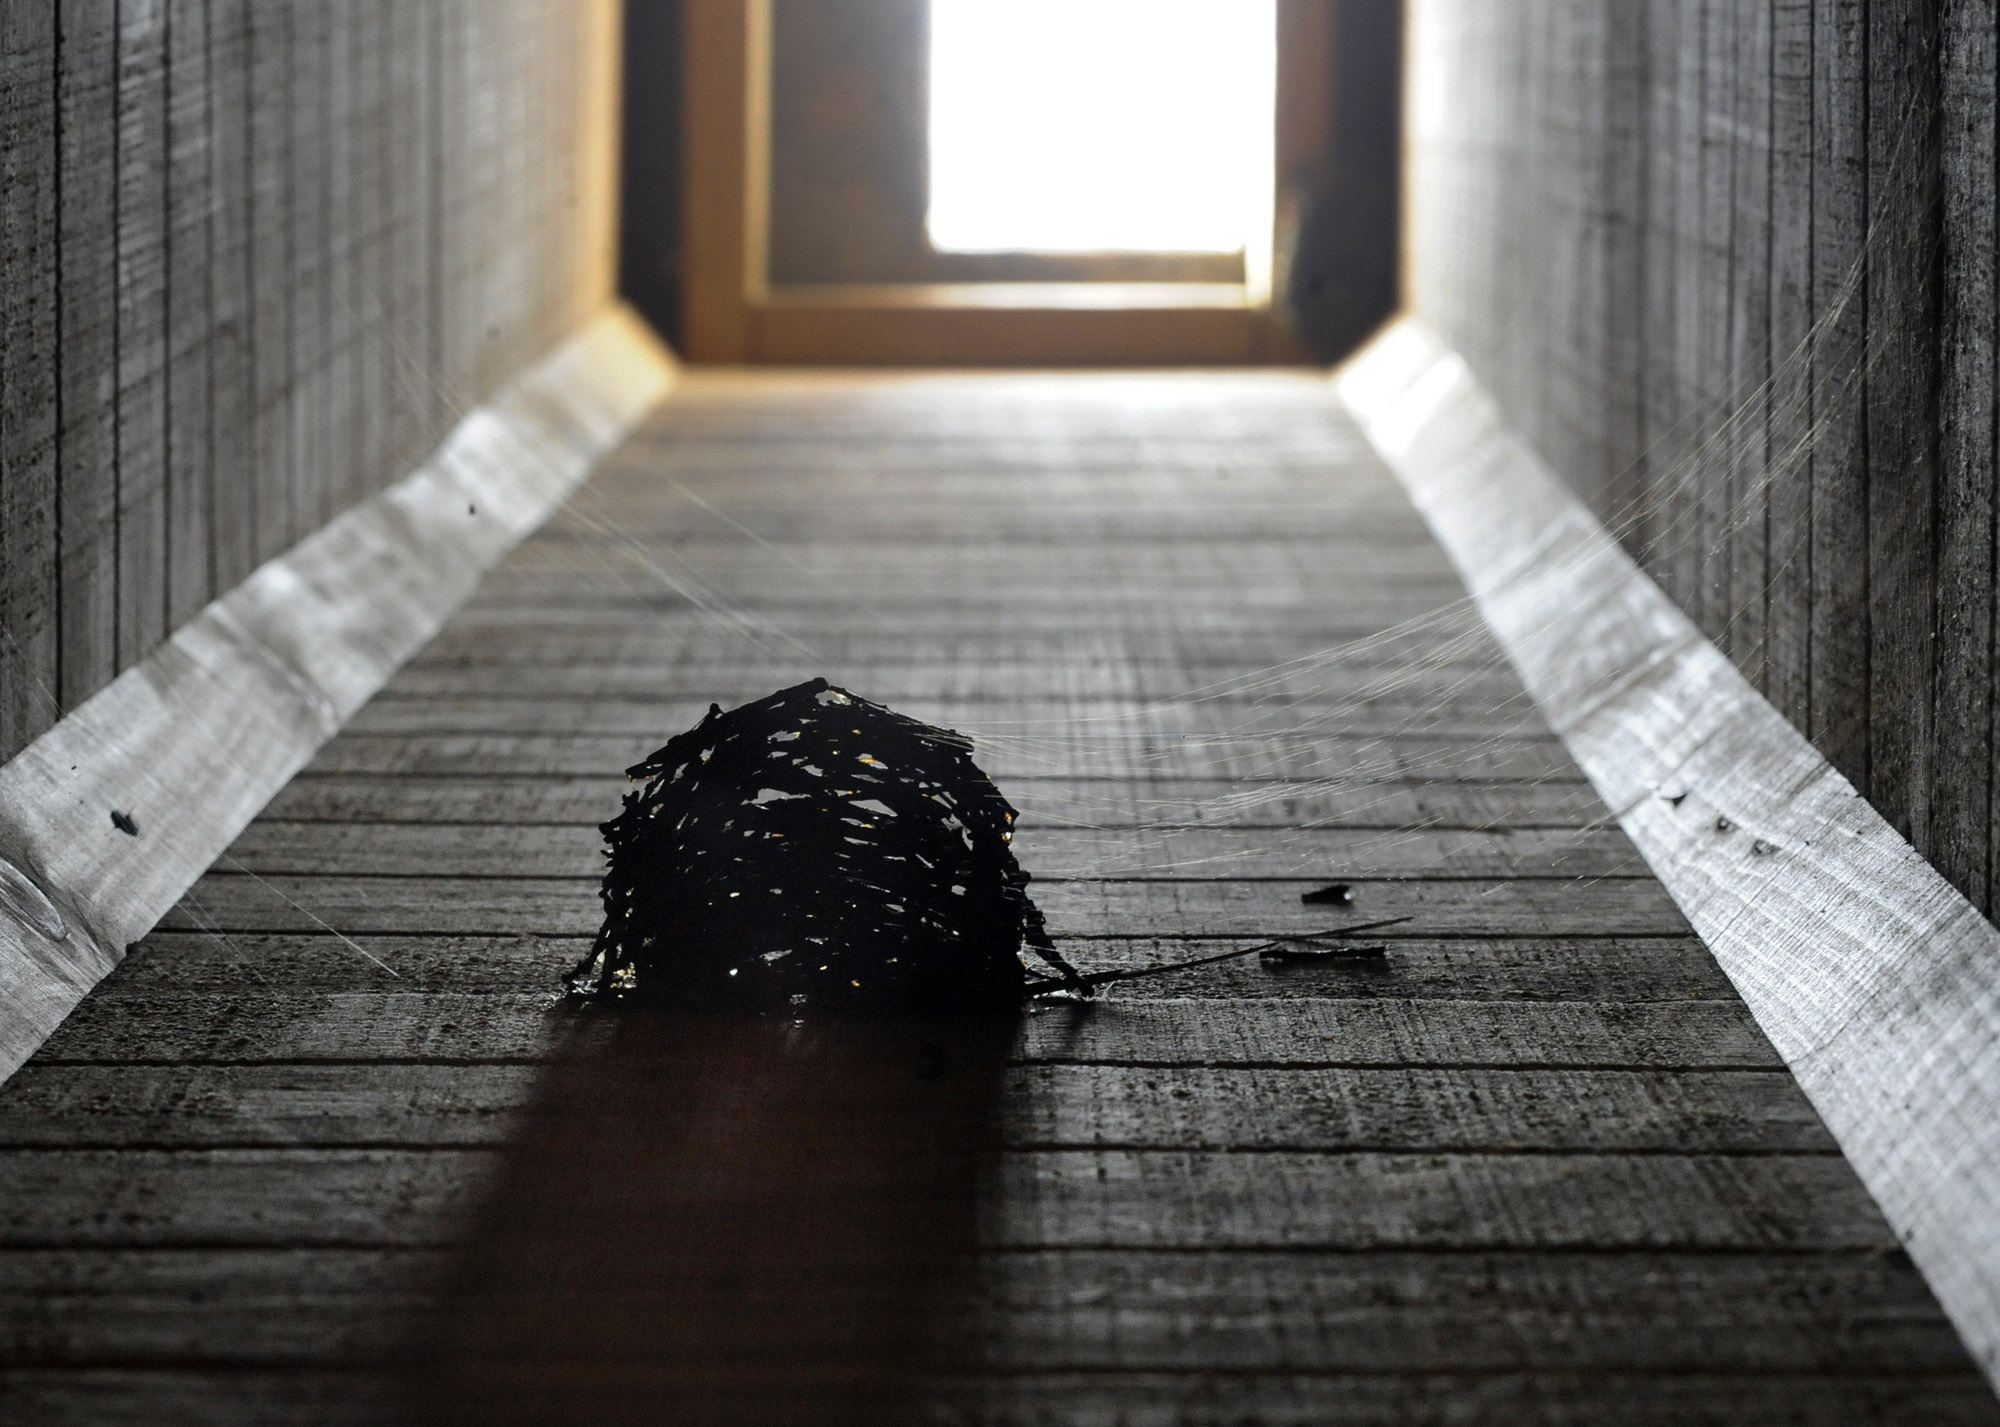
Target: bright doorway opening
{"points": [[1101, 125]]}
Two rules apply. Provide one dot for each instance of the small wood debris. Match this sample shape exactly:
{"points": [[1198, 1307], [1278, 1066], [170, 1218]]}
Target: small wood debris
{"points": [[1293, 955]]}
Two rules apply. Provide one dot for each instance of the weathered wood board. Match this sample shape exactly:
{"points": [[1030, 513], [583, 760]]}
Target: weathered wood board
{"points": [[1534, 1162], [1730, 269], [1874, 977], [212, 343], [108, 817]]}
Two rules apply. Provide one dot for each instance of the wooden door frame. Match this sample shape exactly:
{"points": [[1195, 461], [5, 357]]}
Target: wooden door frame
{"points": [[734, 314]]}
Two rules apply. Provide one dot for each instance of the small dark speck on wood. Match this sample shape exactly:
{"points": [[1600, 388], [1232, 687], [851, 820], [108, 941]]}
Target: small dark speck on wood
{"points": [[123, 822], [1337, 894]]}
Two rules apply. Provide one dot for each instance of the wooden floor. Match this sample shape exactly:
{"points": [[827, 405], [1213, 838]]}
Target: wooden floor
{"points": [[1536, 1164]]}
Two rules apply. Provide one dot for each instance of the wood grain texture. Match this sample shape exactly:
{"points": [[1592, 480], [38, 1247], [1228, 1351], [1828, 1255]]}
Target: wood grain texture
{"points": [[140, 221], [588, 801], [269, 496], [231, 380], [1838, 723], [29, 411], [274, 848], [1762, 1313], [333, 1117], [1959, 838], [189, 743], [1791, 406], [1067, 1199], [232, 901], [349, 227], [350, 1398], [221, 254], [1874, 978], [1611, 970], [1787, 415], [1047, 1107], [86, 298], [1748, 108], [1297, 1029], [1905, 109], [306, 275], [1349, 761], [190, 322]]}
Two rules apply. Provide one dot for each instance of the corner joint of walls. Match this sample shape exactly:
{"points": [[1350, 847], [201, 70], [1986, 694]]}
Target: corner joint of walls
{"points": [[1874, 978], [111, 815]]}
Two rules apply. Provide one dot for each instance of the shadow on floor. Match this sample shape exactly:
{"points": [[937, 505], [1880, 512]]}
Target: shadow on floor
{"points": [[725, 1220]]}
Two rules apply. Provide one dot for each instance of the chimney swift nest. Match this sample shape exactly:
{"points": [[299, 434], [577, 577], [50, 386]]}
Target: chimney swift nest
{"points": [[813, 851]]}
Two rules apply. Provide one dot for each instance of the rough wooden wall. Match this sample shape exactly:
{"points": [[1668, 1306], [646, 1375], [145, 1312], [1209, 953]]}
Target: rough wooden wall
{"points": [[255, 258], [1730, 265]]}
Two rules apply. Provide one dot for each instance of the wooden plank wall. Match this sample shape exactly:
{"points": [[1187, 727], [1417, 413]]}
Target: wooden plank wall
{"points": [[1534, 1164], [1729, 264], [255, 258]]}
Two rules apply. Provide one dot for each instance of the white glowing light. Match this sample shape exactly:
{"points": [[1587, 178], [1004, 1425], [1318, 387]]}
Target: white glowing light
{"points": [[1100, 125]]}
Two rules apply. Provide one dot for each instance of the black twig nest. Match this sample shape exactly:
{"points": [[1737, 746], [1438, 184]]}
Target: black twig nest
{"points": [[815, 851]]}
